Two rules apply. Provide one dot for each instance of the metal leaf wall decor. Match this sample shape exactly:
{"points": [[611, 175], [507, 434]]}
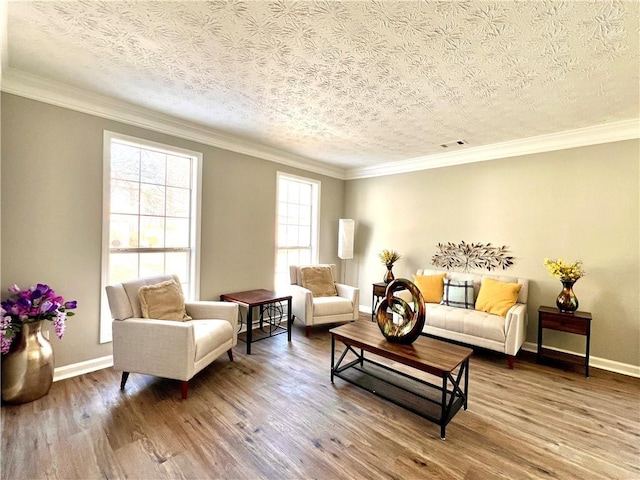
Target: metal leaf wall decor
{"points": [[471, 255]]}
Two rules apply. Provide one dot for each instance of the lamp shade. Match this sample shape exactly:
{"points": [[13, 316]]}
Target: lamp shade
{"points": [[346, 228]]}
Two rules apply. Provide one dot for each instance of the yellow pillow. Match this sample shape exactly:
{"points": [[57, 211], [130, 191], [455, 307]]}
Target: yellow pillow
{"points": [[163, 301], [497, 297], [319, 280], [431, 286]]}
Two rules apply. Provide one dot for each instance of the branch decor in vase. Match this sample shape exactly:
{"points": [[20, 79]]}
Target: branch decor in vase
{"points": [[568, 274], [27, 356], [388, 258]]}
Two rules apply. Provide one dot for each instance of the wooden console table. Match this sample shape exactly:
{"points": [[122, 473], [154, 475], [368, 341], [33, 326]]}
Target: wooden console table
{"points": [[259, 298]]}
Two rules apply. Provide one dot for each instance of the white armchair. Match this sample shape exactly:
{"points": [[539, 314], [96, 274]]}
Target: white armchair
{"points": [[168, 348], [317, 310]]}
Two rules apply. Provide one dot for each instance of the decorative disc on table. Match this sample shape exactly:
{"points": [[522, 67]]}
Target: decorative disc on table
{"points": [[403, 324]]}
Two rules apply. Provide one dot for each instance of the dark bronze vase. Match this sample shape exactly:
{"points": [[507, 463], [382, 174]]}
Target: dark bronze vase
{"points": [[567, 301], [388, 277], [27, 370]]}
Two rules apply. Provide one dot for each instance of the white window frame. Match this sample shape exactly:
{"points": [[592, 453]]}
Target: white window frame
{"points": [[315, 224], [193, 293]]}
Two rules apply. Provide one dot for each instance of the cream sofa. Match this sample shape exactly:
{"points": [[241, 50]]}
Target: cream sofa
{"points": [[502, 334]]}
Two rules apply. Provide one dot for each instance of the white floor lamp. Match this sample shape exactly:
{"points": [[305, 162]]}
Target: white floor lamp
{"points": [[346, 230]]}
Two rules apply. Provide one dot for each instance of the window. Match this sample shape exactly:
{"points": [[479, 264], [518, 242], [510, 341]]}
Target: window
{"points": [[151, 214], [297, 224]]}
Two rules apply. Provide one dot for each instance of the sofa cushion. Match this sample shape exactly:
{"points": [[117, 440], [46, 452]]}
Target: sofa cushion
{"points": [[431, 286], [470, 322], [458, 293], [319, 280], [163, 301], [497, 297]]}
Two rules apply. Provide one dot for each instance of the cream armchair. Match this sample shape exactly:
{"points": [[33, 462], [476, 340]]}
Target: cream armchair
{"points": [[312, 309], [168, 348]]}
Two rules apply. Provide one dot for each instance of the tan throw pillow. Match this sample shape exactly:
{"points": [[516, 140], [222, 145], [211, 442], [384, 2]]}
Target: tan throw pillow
{"points": [[431, 286], [163, 301], [497, 297], [319, 280]]}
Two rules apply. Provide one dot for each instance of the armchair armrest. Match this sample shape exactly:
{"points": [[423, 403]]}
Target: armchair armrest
{"points": [[353, 294], [163, 348], [214, 310], [347, 291], [301, 302]]}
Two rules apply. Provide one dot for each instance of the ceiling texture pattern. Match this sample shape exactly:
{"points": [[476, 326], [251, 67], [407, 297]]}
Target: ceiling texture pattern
{"points": [[348, 83]]}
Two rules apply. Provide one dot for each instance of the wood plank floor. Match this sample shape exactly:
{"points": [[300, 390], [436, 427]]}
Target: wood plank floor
{"points": [[276, 415]]}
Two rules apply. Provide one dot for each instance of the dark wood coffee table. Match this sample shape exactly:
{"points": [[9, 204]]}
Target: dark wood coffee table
{"points": [[437, 403], [259, 298]]}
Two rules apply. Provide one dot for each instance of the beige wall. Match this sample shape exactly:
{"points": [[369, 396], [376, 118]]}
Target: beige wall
{"points": [[52, 213], [578, 203]]}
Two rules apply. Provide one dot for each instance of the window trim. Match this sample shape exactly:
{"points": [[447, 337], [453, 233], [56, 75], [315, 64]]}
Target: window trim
{"points": [[315, 216], [194, 280]]}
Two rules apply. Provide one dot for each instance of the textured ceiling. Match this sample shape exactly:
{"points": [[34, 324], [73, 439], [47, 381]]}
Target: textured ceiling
{"points": [[349, 83]]}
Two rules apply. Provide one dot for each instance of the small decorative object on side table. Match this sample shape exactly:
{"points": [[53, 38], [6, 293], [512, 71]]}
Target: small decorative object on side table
{"points": [[575, 322], [389, 257], [568, 273]]}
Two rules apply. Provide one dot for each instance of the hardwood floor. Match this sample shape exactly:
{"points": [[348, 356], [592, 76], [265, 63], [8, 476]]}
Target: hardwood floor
{"points": [[275, 415]]}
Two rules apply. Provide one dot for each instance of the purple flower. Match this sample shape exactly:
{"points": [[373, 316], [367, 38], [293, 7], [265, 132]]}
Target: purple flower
{"points": [[5, 339], [47, 306], [5, 343], [59, 325], [38, 302], [44, 289]]}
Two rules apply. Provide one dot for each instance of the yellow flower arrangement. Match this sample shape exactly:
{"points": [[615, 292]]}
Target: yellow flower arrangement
{"points": [[566, 272], [389, 257]]}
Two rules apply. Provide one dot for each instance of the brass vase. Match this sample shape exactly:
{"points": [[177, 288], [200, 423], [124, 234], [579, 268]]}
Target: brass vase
{"points": [[27, 370], [567, 301]]}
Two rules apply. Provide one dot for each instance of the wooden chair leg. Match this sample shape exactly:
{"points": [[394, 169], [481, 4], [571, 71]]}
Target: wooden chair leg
{"points": [[185, 389], [230, 353], [510, 360], [306, 331], [125, 376]]}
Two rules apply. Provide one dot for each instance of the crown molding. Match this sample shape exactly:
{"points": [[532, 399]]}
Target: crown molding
{"points": [[38, 88], [581, 137]]}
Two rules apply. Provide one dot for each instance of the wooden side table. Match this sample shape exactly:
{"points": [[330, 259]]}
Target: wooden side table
{"points": [[578, 323], [379, 291], [259, 298]]}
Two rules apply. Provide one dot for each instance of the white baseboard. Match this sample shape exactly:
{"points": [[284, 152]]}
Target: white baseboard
{"points": [[596, 362], [81, 368]]}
